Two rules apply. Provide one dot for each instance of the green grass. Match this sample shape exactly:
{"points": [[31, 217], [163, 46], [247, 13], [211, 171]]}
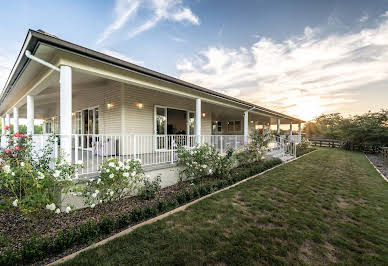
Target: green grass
{"points": [[327, 207]]}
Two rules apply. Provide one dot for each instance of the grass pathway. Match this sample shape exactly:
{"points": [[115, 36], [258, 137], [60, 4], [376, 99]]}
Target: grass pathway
{"points": [[330, 206]]}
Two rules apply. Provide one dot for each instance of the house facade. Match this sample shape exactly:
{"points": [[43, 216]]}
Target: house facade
{"points": [[100, 106]]}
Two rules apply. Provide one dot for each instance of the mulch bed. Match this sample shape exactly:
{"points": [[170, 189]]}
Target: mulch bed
{"points": [[17, 227], [380, 163]]}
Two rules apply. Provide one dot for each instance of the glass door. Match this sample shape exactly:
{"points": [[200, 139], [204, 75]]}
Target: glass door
{"points": [[161, 127], [87, 126]]}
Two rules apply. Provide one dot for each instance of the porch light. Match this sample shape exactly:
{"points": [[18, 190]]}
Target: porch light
{"points": [[251, 121], [109, 105], [73, 114], [203, 114], [139, 105], [257, 127]]}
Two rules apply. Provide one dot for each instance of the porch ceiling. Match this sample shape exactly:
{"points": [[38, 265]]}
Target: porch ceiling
{"points": [[47, 93]]}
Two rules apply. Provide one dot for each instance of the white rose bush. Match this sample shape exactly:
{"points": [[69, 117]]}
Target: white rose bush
{"points": [[202, 161], [32, 181], [116, 180]]}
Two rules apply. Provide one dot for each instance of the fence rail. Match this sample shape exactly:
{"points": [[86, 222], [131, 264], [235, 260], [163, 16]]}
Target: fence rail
{"points": [[332, 143]]}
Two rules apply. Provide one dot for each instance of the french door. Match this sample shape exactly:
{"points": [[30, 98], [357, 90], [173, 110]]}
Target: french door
{"points": [[172, 126], [87, 126]]}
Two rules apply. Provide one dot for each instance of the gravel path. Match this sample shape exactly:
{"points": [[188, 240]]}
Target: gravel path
{"points": [[380, 163]]}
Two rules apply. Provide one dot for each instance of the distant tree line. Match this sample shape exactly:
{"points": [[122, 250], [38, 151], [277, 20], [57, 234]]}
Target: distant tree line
{"points": [[359, 132]]}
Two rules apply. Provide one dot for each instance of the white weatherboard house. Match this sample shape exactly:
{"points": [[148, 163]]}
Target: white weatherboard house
{"points": [[101, 107]]}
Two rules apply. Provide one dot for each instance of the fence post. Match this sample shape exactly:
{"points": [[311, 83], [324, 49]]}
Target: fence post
{"points": [[235, 142]]}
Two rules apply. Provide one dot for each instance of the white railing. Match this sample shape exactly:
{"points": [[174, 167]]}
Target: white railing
{"points": [[149, 149], [282, 146]]}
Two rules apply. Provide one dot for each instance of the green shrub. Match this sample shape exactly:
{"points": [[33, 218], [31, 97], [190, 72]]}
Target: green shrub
{"points": [[150, 188], [87, 232], [123, 220], [107, 225]]}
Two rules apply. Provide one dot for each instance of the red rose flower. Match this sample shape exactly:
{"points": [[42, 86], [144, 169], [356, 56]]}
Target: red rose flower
{"points": [[7, 151], [7, 127], [16, 147]]}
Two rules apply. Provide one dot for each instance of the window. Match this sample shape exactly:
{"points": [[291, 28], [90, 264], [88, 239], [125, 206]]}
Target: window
{"points": [[219, 126], [234, 126]]}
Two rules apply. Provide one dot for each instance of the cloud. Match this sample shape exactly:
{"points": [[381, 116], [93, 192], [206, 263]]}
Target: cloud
{"points": [[123, 10], [172, 10], [121, 56], [177, 39], [364, 18], [303, 75]]}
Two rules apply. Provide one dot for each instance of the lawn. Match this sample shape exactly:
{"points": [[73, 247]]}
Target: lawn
{"points": [[327, 207]]}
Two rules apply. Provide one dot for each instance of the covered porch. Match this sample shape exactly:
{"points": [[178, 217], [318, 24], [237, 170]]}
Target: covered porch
{"points": [[99, 111]]}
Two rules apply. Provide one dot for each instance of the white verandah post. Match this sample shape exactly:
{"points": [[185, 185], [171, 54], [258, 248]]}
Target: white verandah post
{"points": [[198, 121], [278, 127], [300, 132], [290, 128], [246, 127], [65, 111], [15, 119], [30, 114]]}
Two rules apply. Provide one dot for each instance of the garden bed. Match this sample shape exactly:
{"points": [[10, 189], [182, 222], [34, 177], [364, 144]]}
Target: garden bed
{"points": [[380, 163], [31, 240]]}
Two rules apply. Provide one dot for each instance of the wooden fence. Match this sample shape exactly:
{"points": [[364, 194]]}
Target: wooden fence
{"points": [[332, 143]]}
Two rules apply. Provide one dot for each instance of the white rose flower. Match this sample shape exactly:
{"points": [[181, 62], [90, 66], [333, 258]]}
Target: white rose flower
{"points": [[92, 206], [56, 173], [111, 175], [117, 168], [133, 174], [15, 203], [111, 193], [57, 211], [50, 207], [68, 209], [107, 170], [80, 162], [98, 181], [40, 175], [111, 164], [94, 195], [7, 168], [126, 174], [13, 173], [22, 164]]}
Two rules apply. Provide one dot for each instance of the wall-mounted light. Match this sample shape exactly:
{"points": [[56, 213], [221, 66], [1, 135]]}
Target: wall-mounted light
{"points": [[140, 106], [73, 114], [251, 121], [109, 105], [257, 127], [203, 114]]}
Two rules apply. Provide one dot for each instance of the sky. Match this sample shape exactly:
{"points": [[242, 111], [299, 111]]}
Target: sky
{"points": [[302, 58]]}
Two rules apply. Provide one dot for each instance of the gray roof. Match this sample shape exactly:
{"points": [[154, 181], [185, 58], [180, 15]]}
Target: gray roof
{"points": [[38, 37]]}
